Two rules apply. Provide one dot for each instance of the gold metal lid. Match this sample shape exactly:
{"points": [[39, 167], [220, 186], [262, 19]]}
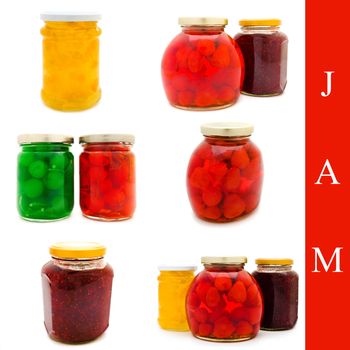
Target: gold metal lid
{"points": [[44, 138], [202, 21], [224, 260], [270, 22], [273, 261], [107, 138], [77, 250], [228, 129]]}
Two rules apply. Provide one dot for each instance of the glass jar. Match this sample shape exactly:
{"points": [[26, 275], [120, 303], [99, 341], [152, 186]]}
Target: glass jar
{"points": [[107, 177], [45, 177], [225, 173], [202, 66], [224, 302], [70, 61], [77, 287], [174, 282], [264, 48], [279, 286]]}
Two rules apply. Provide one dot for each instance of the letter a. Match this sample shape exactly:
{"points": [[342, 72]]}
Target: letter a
{"points": [[327, 166], [329, 84]]}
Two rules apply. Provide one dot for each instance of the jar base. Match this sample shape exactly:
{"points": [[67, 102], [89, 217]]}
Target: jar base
{"points": [[276, 329], [45, 220], [213, 108], [231, 340], [98, 218], [261, 95]]}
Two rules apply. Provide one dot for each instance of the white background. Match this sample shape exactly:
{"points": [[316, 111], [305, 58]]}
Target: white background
{"points": [[164, 229]]}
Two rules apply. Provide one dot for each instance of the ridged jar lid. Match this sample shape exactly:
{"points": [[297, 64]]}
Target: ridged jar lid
{"points": [[63, 16], [274, 261], [202, 21], [77, 250], [177, 268], [224, 260], [44, 138], [227, 129], [270, 22], [108, 138]]}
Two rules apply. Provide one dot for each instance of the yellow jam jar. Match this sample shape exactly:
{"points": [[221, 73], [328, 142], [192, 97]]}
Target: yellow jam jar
{"points": [[174, 282], [70, 60]]}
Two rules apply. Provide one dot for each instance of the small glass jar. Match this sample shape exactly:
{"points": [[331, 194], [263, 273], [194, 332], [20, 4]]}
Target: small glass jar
{"points": [[202, 66], [279, 286], [225, 173], [264, 48], [77, 287], [224, 302], [174, 282], [107, 177], [45, 177], [70, 61]]}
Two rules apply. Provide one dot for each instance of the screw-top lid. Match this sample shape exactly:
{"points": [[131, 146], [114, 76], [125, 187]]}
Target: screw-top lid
{"points": [[203, 21], [225, 260], [270, 22], [228, 129], [77, 250], [44, 138], [63, 16], [177, 268], [107, 138], [273, 261]]}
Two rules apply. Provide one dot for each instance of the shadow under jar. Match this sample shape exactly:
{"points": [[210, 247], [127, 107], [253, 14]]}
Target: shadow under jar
{"points": [[225, 173], [264, 48], [77, 287], [107, 177], [45, 177], [202, 66], [224, 302], [279, 286]]}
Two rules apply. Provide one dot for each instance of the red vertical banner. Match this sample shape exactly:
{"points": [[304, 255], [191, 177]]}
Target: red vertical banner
{"points": [[327, 175]]}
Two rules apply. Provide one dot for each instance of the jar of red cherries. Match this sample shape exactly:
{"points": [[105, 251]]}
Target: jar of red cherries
{"points": [[224, 302], [202, 66], [225, 173]]}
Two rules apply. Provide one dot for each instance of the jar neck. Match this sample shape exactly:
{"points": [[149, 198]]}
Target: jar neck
{"points": [[46, 147], [106, 146], [66, 30], [274, 268], [203, 30], [175, 275], [224, 267], [79, 264], [260, 29], [223, 140]]}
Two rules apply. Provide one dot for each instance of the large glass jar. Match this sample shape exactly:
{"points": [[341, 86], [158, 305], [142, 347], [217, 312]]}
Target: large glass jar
{"points": [[45, 177], [224, 302], [77, 287], [225, 173], [107, 177], [279, 286], [70, 60], [202, 66], [264, 48], [174, 282]]}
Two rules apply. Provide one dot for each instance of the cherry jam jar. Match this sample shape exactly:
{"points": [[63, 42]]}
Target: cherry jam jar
{"points": [[279, 286], [107, 177], [224, 302], [77, 287], [264, 48], [202, 66], [225, 173]]}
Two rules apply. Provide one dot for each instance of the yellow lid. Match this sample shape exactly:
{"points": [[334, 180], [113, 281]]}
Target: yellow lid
{"points": [[77, 250], [260, 22], [279, 261]]}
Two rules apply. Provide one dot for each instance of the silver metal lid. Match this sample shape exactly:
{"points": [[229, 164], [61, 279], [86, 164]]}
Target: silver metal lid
{"points": [[107, 138], [224, 260], [177, 268], [202, 21], [44, 138], [63, 16], [228, 129]]}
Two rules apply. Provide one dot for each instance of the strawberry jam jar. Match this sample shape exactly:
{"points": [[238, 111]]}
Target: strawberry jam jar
{"points": [[264, 48], [202, 66], [107, 177], [77, 287], [224, 302], [225, 173], [279, 286]]}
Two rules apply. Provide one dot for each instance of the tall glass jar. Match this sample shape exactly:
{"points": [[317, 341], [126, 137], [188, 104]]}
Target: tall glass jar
{"points": [[172, 290], [77, 287], [225, 173], [202, 66], [70, 60], [45, 177], [224, 302], [107, 177], [279, 286], [264, 48]]}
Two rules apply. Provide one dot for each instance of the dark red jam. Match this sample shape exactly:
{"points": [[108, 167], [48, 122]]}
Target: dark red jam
{"points": [[76, 302]]}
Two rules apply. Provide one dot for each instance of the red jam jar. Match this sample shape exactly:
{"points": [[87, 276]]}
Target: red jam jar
{"points": [[107, 177], [77, 286], [224, 302], [202, 66], [279, 286], [264, 48], [225, 173]]}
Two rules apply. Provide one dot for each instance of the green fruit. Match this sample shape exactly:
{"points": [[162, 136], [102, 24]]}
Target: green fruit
{"points": [[58, 162], [38, 169], [54, 180], [24, 159], [33, 188]]}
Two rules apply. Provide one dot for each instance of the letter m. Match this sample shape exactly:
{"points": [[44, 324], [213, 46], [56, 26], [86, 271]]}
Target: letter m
{"points": [[319, 257]]}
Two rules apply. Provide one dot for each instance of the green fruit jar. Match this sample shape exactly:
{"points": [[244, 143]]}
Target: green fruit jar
{"points": [[45, 177]]}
